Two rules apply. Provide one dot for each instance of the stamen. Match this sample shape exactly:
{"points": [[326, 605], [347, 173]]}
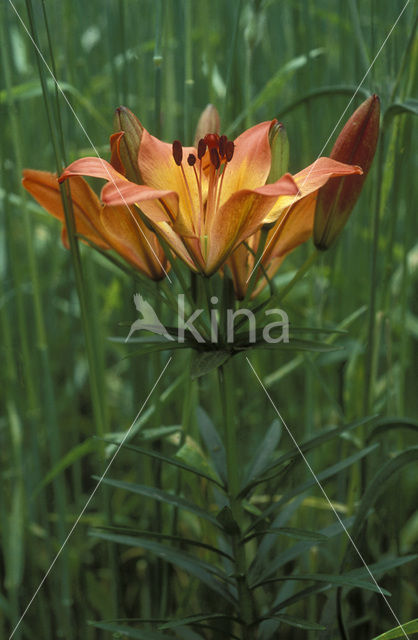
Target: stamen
{"points": [[222, 145], [191, 159], [201, 148], [229, 150], [177, 152], [214, 156]]}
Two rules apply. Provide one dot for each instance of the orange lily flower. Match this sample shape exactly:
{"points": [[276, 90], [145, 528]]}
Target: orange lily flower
{"points": [[203, 201], [119, 227], [295, 221], [206, 201]]}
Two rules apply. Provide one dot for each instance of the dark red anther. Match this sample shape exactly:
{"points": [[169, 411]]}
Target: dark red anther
{"points": [[177, 152], [191, 159], [212, 140], [229, 150], [214, 156], [222, 145], [201, 148]]}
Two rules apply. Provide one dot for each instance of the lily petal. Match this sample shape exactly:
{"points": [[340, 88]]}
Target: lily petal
{"points": [[311, 179], [128, 236], [240, 217], [94, 167], [292, 230], [44, 187], [251, 162], [147, 198], [159, 171]]}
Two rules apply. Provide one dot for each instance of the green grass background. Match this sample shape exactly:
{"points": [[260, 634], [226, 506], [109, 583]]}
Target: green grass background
{"points": [[63, 381]]}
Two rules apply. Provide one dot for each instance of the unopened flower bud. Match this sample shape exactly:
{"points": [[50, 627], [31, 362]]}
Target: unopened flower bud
{"points": [[209, 122], [279, 145], [355, 145], [129, 143]]}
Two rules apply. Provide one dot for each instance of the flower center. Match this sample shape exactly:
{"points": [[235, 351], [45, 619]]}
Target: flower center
{"points": [[214, 152]]}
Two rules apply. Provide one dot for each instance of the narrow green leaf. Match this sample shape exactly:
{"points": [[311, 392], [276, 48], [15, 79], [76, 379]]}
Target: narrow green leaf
{"points": [[272, 87], [312, 481], [345, 580], [376, 487], [206, 361], [381, 567], [143, 418], [292, 532], [399, 632], [300, 595], [264, 452], [294, 344], [172, 461], [166, 536], [306, 446], [130, 632], [194, 460], [263, 568], [387, 424], [161, 496], [196, 618], [213, 443], [296, 622], [322, 92], [205, 572], [74, 454], [410, 106]]}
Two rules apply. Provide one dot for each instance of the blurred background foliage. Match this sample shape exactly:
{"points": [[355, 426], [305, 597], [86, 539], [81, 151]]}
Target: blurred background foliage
{"points": [[63, 381]]}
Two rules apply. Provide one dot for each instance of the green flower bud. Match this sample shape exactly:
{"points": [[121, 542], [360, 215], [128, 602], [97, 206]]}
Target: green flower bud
{"points": [[279, 145], [128, 144]]}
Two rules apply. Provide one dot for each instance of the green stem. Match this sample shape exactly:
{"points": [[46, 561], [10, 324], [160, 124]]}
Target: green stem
{"points": [[188, 68], [371, 333], [245, 600], [298, 275], [158, 60]]}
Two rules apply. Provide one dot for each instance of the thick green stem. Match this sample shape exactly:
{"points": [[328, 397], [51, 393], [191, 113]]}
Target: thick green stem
{"points": [[245, 600]]}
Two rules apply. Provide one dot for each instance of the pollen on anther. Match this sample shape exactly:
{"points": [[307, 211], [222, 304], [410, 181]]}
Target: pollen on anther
{"points": [[222, 145], [214, 156], [177, 152], [191, 159], [201, 148], [229, 150]]}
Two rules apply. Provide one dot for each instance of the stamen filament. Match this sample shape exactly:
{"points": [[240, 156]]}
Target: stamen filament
{"points": [[191, 216]]}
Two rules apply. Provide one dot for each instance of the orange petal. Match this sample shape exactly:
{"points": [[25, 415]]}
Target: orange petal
{"points": [[115, 159], [251, 162], [159, 170], [148, 199], [128, 236], [293, 229], [311, 179], [44, 187], [179, 247], [94, 167], [240, 217]]}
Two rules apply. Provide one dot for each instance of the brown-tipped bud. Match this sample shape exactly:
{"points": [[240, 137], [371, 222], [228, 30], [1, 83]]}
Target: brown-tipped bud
{"points": [[279, 145], [209, 122], [356, 145], [130, 142]]}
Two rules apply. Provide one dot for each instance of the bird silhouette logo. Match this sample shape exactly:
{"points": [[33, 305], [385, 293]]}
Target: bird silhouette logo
{"points": [[149, 321]]}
